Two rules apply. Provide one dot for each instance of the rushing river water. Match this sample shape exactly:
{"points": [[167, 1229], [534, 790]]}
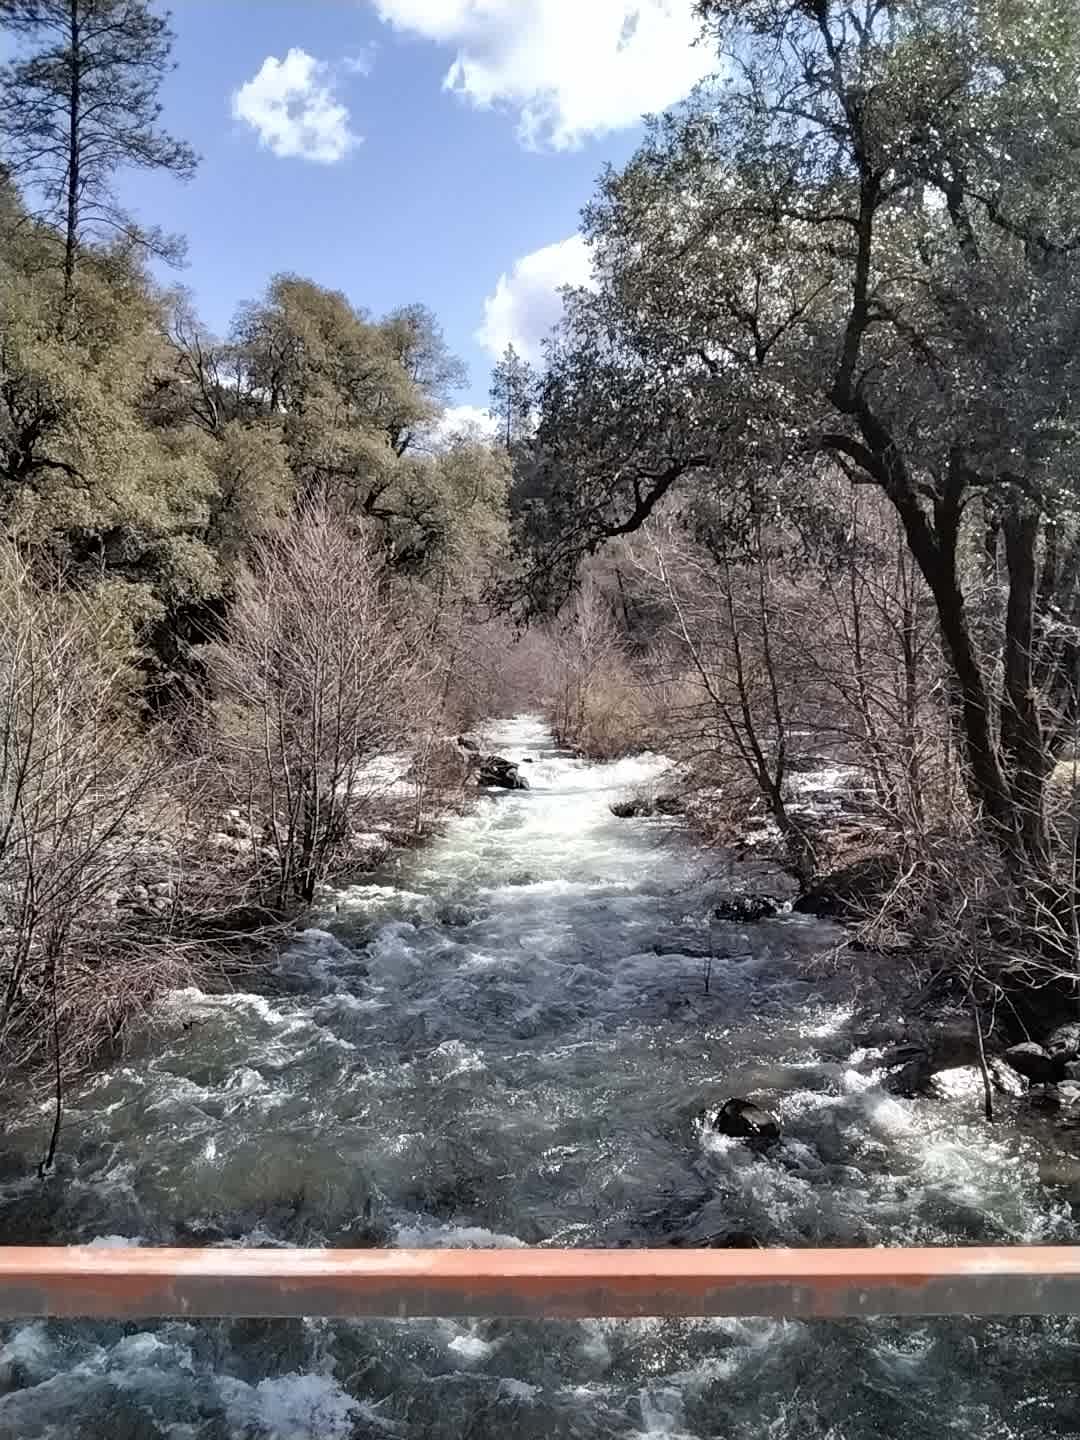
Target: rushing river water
{"points": [[509, 1041]]}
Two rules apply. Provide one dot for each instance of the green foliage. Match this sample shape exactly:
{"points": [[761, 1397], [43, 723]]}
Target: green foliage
{"points": [[858, 250], [84, 484], [352, 400]]}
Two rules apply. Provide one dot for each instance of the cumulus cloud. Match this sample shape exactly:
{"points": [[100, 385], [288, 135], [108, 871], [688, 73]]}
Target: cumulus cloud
{"points": [[570, 69], [292, 106], [526, 302]]}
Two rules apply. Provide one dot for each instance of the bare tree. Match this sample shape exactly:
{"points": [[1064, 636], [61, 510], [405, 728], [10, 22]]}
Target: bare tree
{"points": [[593, 693], [74, 775], [312, 685]]}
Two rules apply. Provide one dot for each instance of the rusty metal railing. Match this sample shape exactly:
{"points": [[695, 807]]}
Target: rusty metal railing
{"points": [[135, 1282]]}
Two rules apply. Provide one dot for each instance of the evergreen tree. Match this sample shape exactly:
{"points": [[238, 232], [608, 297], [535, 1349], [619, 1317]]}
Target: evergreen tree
{"points": [[78, 103], [511, 396]]}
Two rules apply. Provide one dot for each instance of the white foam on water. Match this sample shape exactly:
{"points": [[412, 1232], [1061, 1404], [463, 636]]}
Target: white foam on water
{"points": [[471, 1348], [453, 1237], [290, 1407]]}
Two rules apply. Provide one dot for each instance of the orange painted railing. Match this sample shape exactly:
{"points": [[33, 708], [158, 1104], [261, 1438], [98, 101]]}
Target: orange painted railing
{"points": [[537, 1283]]}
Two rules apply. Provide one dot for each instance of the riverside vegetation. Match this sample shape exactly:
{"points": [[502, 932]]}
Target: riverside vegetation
{"points": [[793, 488]]}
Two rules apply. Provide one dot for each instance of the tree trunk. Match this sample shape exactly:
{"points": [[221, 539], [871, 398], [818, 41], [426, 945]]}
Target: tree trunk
{"points": [[935, 554], [1023, 749], [71, 230]]}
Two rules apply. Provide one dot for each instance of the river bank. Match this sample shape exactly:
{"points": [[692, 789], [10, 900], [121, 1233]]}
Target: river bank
{"points": [[511, 1037]]}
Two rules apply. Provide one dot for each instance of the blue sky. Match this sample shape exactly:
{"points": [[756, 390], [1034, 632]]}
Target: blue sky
{"points": [[401, 150]]}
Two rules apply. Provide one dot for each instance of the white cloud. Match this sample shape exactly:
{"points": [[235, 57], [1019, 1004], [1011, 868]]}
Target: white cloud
{"points": [[456, 421], [569, 68], [293, 107], [526, 303]]}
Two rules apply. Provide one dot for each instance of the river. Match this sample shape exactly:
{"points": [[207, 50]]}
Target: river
{"points": [[506, 1040]]}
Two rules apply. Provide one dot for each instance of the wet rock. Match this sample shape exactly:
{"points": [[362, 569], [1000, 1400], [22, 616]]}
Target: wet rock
{"points": [[1032, 1061], [497, 771], [1069, 1094], [743, 1120], [952, 1043], [670, 805], [470, 743], [1072, 1069], [1005, 1078], [747, 908], [880, 1031], [909, 1070], [634, 808], [1064, 1042]]}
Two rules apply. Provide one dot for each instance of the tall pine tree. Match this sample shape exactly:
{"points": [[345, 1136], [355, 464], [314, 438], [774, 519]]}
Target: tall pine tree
{"points": [[511, 396], [77, 103]]}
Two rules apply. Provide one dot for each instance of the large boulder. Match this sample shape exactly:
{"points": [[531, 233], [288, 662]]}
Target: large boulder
{"points": [[908, 1070], [1064, 1042], [1033, 1062], [743, 1120], [501, 773]]}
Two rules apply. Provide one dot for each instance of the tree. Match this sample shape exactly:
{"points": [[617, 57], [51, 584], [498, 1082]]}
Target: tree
{"points": [[859, 252], [511, 396], [88, 486], [311, 685], [82, 104], [416, 341]]}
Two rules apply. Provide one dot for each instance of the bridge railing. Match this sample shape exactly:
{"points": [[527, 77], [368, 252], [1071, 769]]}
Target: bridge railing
{"points": [[138, 1282]]}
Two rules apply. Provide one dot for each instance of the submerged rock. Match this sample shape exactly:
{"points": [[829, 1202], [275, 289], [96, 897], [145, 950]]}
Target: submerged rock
{"points": [[1062, 1173], [1033, 1062], [743, 1120], [632, 809], [747, 908]]}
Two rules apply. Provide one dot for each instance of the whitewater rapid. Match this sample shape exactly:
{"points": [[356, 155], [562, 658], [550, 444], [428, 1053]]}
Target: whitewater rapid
{"points": [[507, 1038]]}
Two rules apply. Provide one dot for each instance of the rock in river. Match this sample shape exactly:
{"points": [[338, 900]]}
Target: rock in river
{"points": [[1064, 1042], [1032, 1061], [743, 1120], [497, 771]]}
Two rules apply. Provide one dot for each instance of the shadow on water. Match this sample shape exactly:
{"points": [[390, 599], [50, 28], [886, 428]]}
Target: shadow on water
{"points": [[508, 1039]]}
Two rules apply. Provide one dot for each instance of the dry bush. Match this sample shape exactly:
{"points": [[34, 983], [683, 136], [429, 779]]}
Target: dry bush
{"points": [[79, 787], [319, 677], [595, 701], [778, 650]]}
